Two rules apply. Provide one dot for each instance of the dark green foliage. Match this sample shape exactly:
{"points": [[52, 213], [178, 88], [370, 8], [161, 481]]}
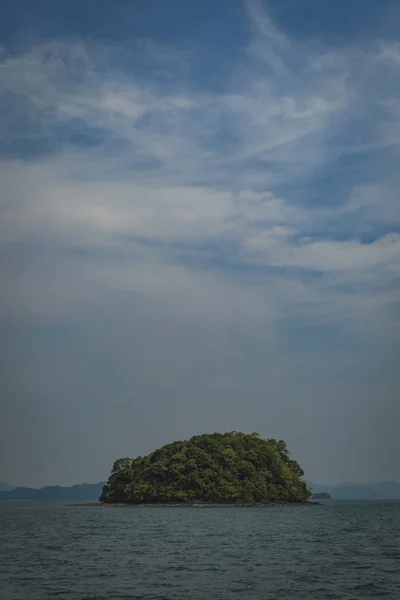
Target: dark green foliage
{"points": [[218, 468]]}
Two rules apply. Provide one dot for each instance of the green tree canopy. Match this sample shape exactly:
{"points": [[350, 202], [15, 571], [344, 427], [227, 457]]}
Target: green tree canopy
{"points": [[218, 468]]}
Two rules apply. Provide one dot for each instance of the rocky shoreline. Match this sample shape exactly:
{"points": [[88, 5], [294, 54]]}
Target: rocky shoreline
{"points": [[199, 505]]}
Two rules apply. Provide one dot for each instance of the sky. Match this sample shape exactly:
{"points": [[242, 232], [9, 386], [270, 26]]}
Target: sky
{"points": [[200, 232]]}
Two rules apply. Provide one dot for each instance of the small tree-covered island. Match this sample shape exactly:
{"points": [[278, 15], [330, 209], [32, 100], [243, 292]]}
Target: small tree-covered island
{"points": [[221, 468], [322, 496]]}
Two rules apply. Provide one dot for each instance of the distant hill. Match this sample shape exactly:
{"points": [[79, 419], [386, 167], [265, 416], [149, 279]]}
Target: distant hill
{"points": [[391, 489], [384, 490], [6, 487], [90, 492], [83, 492]]}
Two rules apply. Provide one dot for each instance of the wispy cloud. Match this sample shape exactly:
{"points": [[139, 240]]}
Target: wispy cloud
{"points": [[161, 163], [265, 209]]}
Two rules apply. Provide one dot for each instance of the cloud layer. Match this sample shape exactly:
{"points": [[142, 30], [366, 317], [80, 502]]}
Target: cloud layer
{"points": [[229, 256]]}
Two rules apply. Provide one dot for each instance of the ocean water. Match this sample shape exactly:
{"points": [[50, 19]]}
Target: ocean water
{"points": [[341, 550]]}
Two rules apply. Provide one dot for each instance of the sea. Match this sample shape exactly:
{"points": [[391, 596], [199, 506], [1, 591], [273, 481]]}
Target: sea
{"points": [[339, 550]]}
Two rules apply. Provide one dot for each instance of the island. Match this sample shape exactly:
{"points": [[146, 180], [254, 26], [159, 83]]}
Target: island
{"points": [[322, 496], [212, 469]]}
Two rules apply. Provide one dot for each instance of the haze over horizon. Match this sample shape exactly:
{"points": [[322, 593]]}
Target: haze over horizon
{"points": [[200, 232]]}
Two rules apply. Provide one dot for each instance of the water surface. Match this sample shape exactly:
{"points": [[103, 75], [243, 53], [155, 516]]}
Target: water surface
{"points": [[341, 550]]}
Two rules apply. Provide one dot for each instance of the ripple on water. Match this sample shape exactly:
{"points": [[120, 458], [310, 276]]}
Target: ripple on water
{"points": [[338, 551]]}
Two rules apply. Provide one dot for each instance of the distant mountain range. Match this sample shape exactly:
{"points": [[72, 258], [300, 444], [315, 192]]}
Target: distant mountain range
{"points": [[83, 492], [384, 490], [6, 487], [90, 492]]}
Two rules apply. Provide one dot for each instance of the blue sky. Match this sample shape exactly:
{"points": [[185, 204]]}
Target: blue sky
{"points": [[200, 231]]}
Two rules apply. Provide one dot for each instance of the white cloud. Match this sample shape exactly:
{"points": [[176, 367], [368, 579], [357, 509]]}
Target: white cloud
{"points": [[206, 170], [274, 247], [230, 255]]}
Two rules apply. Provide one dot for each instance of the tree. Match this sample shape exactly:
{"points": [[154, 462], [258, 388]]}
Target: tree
{"points": [[217, 468]]}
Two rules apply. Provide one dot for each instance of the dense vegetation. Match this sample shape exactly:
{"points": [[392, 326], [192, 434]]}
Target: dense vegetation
{"points": [[218, 468]]}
